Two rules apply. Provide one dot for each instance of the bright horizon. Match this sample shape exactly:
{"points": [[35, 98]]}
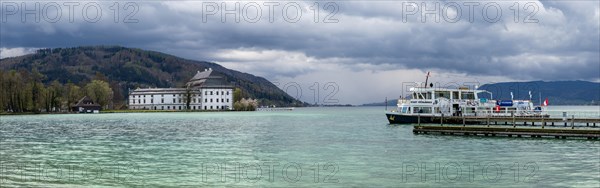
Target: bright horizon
{"points": [[355, 52]]}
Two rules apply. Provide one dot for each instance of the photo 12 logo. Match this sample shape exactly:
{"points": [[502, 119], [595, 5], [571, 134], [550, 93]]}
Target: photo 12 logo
{"points": [[483, 172], [69, 172], [253, 12], [69, 11], [472, 11], [253, 172]]}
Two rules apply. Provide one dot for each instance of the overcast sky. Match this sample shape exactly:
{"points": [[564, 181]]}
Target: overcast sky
{"points": [[354, 51]]}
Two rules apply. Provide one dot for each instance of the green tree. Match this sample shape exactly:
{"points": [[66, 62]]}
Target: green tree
{"points": [[3, 92], [72, 94], [53, 100], [188, 97], [100, 92], [237, 95], [37, 91]]}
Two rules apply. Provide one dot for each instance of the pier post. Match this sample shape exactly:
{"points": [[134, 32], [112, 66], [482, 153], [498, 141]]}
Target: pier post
{"points": [[463, 117], [513, 116], [572, 121], [442, 120], [543, 123], [419, 119], [488, 120]]}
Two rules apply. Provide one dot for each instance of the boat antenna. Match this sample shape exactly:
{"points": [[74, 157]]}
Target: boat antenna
{"points": [[540, 98], [385, 103], [426, 79]]}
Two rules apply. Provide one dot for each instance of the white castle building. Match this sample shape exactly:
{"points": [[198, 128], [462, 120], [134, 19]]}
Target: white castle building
{"points": [[206, 91]]}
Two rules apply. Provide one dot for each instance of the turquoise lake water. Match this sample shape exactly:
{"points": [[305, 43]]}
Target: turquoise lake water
{"points": [[307, 147]]}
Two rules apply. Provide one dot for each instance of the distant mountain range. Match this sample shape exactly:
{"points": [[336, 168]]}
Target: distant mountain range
{"points": [[557, 92], [129, 68]]}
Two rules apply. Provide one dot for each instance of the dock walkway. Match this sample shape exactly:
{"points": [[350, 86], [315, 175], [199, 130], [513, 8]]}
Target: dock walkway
{"points": [[509, 131]]}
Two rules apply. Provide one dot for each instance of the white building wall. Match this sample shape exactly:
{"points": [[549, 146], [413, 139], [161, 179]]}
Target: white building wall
{"points": [[217, 98], [204, 99]]}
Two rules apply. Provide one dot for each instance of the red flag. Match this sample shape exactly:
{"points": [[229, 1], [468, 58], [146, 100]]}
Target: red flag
{"points": [[545, 102]]}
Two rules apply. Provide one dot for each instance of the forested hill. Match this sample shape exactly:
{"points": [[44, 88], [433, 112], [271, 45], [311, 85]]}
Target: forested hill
{"points": [[126, 68]]}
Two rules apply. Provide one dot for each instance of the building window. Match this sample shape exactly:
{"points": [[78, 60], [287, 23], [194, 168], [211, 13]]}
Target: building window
{"points": [[173, 100], [173, 107], [227, 92], [205, 100], [179, 107], [152, 101], [211, 107], [210, 101], [144, 101], [162, 107], [179, 100], [133, 102], [162, 95], [139, 101], [227, 100], [162, 100], [173, 95], [204, 107], [169, 107]]}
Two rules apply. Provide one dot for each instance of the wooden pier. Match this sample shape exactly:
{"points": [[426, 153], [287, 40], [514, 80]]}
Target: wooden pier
{"points": [[514, 121], [509, 131], [515, 126]]}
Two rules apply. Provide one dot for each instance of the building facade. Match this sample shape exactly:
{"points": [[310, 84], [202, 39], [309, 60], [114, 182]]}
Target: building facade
{"points": [[205, 91]]}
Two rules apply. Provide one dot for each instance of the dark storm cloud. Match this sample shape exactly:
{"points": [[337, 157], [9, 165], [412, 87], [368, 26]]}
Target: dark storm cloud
{"points": [[563, 44]]}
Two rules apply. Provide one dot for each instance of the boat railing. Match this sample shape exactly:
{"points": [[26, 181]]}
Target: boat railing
{"points": [[552, 113]]}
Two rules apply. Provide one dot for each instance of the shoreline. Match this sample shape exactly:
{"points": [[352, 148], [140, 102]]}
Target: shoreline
{"points": [[115, 112]]}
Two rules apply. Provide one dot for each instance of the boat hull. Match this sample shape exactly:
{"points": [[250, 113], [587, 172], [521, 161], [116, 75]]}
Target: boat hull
{"points": [[395, 118]]}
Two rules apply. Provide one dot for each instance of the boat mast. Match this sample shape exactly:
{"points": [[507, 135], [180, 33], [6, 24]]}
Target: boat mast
{"points": [[426, 79]]}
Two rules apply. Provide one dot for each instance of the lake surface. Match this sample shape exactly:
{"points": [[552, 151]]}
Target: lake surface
{"points": [[307, 147]]}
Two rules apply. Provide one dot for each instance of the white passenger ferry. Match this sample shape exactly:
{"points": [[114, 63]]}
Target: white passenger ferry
{"points": [[428, 105]]}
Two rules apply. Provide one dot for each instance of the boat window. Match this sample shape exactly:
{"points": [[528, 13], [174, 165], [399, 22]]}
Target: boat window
{"points": [[404, 109], [445, 94], [421, 110], [455, 95], [467, 95]]}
